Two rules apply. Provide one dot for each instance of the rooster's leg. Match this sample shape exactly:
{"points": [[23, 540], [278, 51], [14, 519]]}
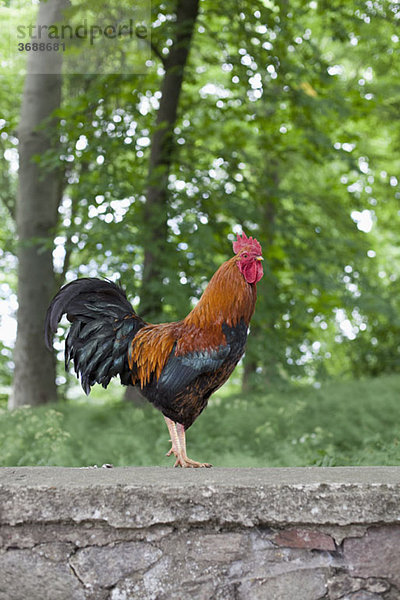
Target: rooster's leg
{"points": [[178, 440], [188, 462], [175, 448]]}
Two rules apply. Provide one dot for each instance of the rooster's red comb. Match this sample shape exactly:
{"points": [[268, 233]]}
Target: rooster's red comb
{"points": [[246, 242]]}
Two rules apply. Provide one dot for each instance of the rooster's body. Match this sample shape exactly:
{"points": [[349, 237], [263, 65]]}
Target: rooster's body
{"points": [[176, 365]]}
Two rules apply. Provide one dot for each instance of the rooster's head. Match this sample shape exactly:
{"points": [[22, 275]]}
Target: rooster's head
{"points": [[248, 258]]}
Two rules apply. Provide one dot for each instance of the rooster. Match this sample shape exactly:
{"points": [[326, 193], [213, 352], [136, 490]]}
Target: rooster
{"points": [[176, 365]]}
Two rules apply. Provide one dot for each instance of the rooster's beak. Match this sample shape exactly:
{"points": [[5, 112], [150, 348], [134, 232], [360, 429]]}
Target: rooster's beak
{"points": [[259, 258]]}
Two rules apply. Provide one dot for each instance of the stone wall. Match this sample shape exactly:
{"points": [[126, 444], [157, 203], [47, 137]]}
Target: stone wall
{"points": [[160, 534]]}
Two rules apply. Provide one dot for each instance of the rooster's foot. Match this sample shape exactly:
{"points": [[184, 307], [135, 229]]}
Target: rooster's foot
{"points": [[184, 461], [172, 451], [178, 447], [188, 463]]}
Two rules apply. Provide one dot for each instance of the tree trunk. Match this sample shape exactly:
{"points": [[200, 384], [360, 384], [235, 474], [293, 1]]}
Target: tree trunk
{"points": [[39, 194], [162, 145]]}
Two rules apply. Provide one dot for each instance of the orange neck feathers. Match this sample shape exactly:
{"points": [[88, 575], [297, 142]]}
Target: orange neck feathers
{"points": [[228, 298]]}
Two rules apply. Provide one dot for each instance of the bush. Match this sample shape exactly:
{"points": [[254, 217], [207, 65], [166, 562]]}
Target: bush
{"points": [[343, 423], [31, 436]]}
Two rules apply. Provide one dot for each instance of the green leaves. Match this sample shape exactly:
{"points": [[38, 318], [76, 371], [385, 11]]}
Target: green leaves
{"points": [[287, 125]]}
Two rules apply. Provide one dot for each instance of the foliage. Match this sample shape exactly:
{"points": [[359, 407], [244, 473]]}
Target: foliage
{"points": [[30, 437], [288, 127], [341, 423], [264, 106]]}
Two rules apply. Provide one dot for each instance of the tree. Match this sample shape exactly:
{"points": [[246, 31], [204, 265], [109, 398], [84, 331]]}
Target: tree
{"points": [[260, 115], [161, 158], [155, 226], [39, 195]]}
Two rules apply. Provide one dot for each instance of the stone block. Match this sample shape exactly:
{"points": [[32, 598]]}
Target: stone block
{"points": [[305, 538], [26, 575], [375, 554], [343, 585], [304, 584], [104, 566]]}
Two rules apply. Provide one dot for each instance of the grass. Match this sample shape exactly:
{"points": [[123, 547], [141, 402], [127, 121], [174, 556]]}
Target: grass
{"points": [[342, 423]]}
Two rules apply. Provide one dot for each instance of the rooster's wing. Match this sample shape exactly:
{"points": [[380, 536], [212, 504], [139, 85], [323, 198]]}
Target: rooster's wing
{"points": [[180, 371]]}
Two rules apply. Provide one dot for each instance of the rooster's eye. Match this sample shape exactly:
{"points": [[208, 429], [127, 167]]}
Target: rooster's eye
{"points": [[245, 255]]}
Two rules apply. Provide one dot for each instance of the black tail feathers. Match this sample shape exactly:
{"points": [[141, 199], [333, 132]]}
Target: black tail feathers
{"points": [[103, 325]]}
